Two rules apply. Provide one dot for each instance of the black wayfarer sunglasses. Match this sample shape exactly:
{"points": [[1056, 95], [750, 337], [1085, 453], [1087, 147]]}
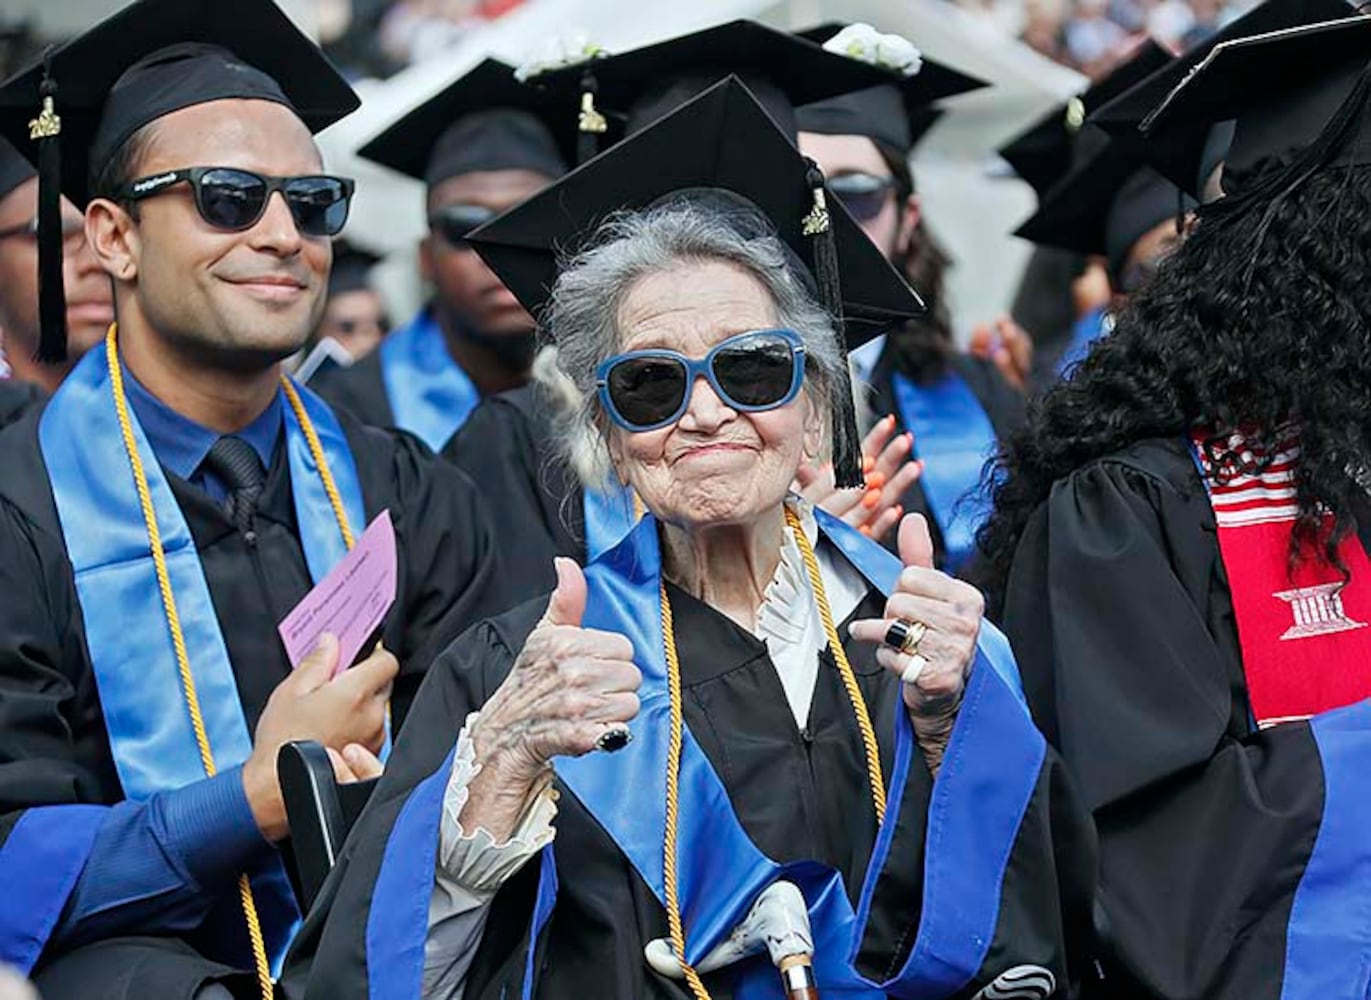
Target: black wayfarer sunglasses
{"points": [[454, 223], [863, 195], [234, 200]]}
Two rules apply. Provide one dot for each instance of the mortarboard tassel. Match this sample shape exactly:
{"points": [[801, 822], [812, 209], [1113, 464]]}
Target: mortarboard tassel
{"points": [[847, 448], [46, 130], [591, 124]]}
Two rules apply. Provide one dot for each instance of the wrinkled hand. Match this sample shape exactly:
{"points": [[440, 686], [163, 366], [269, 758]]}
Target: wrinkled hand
{"points": [[346, 714], [890, 472], [569, 686], [952, 610], [777, 923], [1007, 346]]}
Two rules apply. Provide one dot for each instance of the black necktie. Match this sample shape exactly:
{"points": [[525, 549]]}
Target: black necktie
{"points": [[236, 464]]}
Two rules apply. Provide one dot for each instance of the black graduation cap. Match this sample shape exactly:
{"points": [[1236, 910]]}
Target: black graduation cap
{"points": [[721, 139], [1190, 154], [1042, 153], [1286, 93], [485, 120], [72, 111], [14, 168], [352, 264], [781, 69], [896, 114]]}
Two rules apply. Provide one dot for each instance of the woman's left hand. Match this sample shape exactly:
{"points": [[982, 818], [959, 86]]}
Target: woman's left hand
{"points": [[950, 612], [890, 471]]}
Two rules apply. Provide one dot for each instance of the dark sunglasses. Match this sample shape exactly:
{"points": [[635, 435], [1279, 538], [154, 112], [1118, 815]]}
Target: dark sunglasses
{"points": [[233, 200], [645, 390], [454, 223], [863, 195]]}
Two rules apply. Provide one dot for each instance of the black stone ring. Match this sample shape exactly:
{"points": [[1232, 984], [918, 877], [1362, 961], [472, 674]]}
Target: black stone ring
{"points": [[614, 740], [905, 635]]}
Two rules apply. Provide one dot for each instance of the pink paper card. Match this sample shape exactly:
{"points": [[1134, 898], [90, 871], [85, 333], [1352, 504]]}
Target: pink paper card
{"points": [[350, 602]]}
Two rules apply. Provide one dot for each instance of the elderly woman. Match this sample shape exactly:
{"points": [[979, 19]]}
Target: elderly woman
{"points": [[715, 719]]}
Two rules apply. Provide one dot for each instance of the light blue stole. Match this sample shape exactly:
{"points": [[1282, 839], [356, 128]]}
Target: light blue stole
{"points": [[609, 516], [954, 438], [429, 394], [150, 731]]}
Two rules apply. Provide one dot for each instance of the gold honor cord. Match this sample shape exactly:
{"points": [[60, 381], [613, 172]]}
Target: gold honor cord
{"points": [[675, 926], [178, 641]]}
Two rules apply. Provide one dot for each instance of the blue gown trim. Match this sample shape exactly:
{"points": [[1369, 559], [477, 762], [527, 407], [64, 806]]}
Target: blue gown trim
{"points": [[41, 861], [429, 394], [1328, 941], [150, 733], [608, 518], [623, 597], [954, 438]]}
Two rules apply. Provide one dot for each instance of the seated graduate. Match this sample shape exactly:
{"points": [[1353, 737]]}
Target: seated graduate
{"points": [[1112, 206], [28, 369], [176, 499], [725, 661], [1183, 534], [949, 408], [482, 144], [509, 441], [354, 316]]}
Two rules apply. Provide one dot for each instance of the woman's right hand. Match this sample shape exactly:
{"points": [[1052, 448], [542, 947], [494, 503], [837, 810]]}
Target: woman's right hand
{"points": [[569, 686]]}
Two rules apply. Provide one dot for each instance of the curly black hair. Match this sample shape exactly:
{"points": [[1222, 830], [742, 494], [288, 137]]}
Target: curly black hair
{"points": [[1259, 321]]}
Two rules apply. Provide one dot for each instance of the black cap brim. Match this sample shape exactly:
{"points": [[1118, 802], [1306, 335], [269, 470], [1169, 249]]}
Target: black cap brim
{"points": [[723, 138]]}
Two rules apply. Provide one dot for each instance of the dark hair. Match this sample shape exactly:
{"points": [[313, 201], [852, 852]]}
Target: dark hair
{"points": [[122, 167], [1260, 321], [922, 346]]}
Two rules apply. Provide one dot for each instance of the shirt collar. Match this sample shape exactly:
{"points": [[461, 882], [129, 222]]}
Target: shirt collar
{"points": [[181, 444]]}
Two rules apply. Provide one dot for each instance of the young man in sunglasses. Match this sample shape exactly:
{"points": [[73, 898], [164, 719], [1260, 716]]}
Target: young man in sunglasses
{"points": [[176, 499], [948, 407], [484, 144], [89, 306]]}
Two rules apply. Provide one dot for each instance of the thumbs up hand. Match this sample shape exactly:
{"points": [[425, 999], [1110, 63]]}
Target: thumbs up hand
{"points": [[568, 688], [943, 617]]}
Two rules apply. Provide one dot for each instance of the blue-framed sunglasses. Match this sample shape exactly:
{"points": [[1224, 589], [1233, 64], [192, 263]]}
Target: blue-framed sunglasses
{"points": [[754, 371]]}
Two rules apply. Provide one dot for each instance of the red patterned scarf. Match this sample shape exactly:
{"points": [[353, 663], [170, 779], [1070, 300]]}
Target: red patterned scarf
{"points": [[1306, 644]]}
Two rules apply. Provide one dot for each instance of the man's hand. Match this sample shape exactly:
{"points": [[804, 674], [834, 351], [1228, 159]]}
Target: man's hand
{"points": [[568, 687], [890, 472], [347, 715]]}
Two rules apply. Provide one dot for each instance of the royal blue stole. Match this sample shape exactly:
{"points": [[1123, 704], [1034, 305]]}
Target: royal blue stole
{"points": [[150, 733], [609, 516], [429, 393], [989, 773], [1088, 329], [954, 438]]}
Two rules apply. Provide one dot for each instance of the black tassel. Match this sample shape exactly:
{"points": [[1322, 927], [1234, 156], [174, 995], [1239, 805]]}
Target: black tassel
{"points": [[847, 445], [46, 130], [591, 124]]}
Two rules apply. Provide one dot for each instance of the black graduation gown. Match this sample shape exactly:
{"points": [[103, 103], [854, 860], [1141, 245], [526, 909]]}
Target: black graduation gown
{"points": [[53, 744], [800, 793], [1121, 617], [15, 399], [360, 389], [1003, 405], [507, 446]]}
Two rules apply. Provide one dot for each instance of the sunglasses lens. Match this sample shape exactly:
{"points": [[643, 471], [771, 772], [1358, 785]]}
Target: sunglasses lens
{"points": [[231, 199], [757, 371], [319, 204], [454, 223], [647, 390], [863, 195]]}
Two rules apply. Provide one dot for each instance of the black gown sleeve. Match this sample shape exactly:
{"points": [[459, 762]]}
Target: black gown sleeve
{"points": [[1121, 621], [453, 574], [503, 446], [16, 398], [359, 389]]}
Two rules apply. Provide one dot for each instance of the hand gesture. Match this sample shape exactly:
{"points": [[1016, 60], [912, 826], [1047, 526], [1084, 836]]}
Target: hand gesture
{"points": [[1008, 347], [940, 618], [890, 472]]}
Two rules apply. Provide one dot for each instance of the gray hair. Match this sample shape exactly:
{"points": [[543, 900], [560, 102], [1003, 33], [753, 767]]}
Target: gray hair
{"points": [[583, 311]]}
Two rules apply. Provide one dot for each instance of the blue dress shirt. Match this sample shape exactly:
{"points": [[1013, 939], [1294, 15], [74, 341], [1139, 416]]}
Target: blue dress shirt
{"points": [[158, 866]]}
